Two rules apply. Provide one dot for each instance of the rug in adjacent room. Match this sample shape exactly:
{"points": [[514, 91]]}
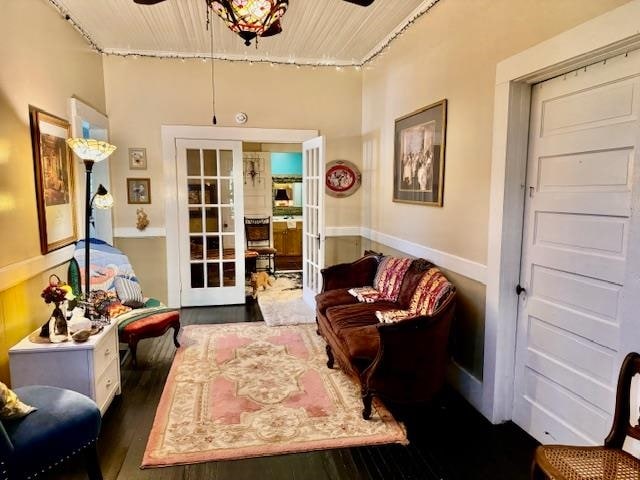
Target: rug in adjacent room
{"points": [[247, 390], [282, 303]]}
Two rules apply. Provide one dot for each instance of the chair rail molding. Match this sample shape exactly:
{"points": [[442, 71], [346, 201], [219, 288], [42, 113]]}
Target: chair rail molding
{"points": [[16, 273]]}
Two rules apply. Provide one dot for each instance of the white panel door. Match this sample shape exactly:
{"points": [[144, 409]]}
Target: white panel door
{"points": [[312, 218], [576, 247], [211, 226]]}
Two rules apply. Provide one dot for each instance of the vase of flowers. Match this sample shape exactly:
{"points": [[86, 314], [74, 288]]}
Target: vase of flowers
{"points": [[58, 293]]}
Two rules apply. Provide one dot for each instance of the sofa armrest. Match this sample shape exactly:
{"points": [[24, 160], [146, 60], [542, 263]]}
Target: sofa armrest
{"points": [[349, 275], [415, 347]]}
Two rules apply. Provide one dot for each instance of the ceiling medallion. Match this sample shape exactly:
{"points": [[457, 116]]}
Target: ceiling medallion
{"points": [[251, 18], [342, 178]]}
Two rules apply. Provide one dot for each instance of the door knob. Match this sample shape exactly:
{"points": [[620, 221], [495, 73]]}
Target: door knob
{"points": [[520, 289]]}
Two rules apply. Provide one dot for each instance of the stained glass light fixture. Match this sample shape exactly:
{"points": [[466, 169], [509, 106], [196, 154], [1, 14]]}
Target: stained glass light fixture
{"points": [[251, 18]]}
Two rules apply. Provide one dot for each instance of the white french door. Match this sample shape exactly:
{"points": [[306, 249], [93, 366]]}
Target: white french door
{"points": [[580, 236], [313, 218], [211, 227]]}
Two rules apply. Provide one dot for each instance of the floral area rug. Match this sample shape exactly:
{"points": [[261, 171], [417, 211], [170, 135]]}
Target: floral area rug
{"points": [[247, 390], [282, 304]]}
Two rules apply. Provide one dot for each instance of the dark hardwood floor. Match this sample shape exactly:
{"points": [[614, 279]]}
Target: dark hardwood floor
{"points": [[449, 440]]}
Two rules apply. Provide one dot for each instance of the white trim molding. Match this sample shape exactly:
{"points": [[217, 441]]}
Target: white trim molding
{"points": [[467, 268], [605, 36], [19, 272], [170, 134], [131, 232]]}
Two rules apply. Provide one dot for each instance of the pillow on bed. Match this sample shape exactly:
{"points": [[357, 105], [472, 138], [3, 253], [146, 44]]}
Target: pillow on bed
{"points": [[129, 292]]}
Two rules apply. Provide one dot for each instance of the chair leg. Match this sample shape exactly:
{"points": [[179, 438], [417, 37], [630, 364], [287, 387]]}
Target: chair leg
{"points": [[366, 402], [93, 463]]}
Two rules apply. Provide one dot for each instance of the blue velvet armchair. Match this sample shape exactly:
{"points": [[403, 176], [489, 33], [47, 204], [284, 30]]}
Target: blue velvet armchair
{"points": [[66, 424]]}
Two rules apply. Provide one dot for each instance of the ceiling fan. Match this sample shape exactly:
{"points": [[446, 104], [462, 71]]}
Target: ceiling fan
{"points": [[251, 18]]}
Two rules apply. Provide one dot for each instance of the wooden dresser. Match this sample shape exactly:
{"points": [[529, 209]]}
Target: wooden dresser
{"points": [[91, 368], [288, 242]]}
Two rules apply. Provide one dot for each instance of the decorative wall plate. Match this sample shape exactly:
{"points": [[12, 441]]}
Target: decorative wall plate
{"points": [[342, 178]]}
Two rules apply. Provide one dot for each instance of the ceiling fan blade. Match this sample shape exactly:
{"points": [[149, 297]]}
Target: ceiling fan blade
{"points": [[147, 2], [362, 3]]}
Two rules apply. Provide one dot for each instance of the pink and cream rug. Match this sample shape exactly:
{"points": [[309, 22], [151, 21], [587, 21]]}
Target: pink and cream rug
{"points": [[247, 390]]}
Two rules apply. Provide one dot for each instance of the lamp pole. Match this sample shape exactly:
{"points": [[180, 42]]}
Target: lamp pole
{"points": [[88, 165]]}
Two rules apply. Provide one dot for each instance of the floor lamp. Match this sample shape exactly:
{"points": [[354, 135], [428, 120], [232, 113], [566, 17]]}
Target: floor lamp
{"points": [[91, 151]]}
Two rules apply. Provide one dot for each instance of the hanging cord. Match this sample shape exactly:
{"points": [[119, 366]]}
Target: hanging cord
{"points": [[213, 71]]}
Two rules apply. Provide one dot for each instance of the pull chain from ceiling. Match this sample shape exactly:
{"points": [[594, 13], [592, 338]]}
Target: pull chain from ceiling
{"points": [[213, 76]]}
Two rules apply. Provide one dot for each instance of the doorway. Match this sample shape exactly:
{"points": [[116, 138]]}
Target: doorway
{"points": [[583, 151], [171, 135]]}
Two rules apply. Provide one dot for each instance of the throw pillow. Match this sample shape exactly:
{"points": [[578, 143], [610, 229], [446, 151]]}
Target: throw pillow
{"points": [[129, 292], [430, 292], [392, 316], [365, 294], [10, 405], [389, 277]]}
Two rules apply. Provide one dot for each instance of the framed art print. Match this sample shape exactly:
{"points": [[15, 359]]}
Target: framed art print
{"points": [[53, 167], [138, 190], [138, 158], [419, 154]]}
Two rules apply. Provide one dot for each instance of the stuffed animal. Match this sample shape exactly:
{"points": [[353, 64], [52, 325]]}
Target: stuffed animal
{"points": [[260, 279]]}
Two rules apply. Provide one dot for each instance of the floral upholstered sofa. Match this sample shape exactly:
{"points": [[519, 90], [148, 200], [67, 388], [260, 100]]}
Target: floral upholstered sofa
{"points": [[386, 322]]}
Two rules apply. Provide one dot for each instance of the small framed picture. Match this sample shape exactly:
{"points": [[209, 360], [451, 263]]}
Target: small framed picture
{"points": [[138, 158], [138, 190]]}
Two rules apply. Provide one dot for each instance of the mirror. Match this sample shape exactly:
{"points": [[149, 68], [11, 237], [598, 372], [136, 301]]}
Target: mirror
{"points": [[287, 196]]}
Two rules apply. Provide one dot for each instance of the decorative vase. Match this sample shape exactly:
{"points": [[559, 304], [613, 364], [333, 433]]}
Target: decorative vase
{"points": [[58, 331]]}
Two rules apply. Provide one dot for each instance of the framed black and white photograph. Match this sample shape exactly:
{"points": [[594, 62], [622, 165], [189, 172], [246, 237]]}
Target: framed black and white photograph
{"points": [[53, 166], [138, 190], [419, 154], [138, 158]]}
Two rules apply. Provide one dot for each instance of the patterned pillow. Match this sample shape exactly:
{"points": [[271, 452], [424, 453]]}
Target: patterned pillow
{"points": [[129, 292], [365, 294], [389, 277], [11, 406], [430, 292], [392, 316]]}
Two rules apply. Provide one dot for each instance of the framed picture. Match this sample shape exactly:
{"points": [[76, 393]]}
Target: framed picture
{"points": [[138, 158], [418, 169], [53, 167], [138, 190]]}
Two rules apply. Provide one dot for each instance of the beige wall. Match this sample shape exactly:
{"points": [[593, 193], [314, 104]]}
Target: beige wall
{"points": [[452, 53], [143, 94], [43, 62]]}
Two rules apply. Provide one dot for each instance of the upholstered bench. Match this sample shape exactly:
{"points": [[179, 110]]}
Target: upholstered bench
{"points": [[116, 293], [147, 327]]}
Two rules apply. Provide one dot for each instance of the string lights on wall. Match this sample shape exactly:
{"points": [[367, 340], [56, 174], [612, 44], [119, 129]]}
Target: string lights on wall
{"points": [[378, 50]]}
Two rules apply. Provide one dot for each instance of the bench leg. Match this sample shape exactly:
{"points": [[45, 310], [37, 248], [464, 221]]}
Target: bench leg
{"points": [[133, 346], [176, 330], [329, 357]]}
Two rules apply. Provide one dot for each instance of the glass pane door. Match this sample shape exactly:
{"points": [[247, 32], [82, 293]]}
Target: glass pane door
{"points": [[313, 218], [211, 211]]}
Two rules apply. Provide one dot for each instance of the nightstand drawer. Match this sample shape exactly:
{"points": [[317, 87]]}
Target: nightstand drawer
{"points": [[105, 352], [107, 383]]}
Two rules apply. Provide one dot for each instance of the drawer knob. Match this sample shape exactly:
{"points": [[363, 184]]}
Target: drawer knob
{"points": [[109, 383]]}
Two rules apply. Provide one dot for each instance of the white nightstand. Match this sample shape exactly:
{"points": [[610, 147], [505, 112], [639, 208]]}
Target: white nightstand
{"points": [[92, 367]]}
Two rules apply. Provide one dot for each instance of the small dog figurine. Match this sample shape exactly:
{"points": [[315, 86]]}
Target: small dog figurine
{"points": [[260, 279]]}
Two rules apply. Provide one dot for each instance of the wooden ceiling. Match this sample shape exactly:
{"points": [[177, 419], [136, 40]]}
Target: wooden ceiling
{"points": [[331, 32]]}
